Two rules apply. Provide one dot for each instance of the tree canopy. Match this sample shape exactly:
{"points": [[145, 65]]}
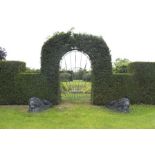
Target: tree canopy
{"points": [[121, 65], [3, 53]]}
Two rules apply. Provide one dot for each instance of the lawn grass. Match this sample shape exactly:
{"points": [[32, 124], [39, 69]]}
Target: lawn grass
{"points": [[76, 98], [78, 85], [83, 94], [76, 112], [77, 115]]}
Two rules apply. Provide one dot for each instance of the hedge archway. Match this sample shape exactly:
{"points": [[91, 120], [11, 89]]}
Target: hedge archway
{"points": [[98, 52]]}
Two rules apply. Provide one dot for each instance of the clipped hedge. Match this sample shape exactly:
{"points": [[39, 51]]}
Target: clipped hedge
{"points": [[98, 52], [8, 71], [28, 85], [139, 86], [16, 87], [122, 85], [12, 67], [142, 69], [144, 78], [24, 86]]}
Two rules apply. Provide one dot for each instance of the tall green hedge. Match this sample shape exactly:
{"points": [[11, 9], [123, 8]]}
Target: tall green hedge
{"points": [[144, 78], [8, 71], [142, 69], [16, 87], [121, 86], [23, 87], [98, 52], [29, 85], [12, 67]]}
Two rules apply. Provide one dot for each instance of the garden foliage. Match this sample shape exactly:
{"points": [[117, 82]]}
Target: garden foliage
{"points": [[97, 50], [3, 53], [17, 85]]}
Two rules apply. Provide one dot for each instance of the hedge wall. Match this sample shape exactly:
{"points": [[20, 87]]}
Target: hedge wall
{"points": [[8, 71], [28, 85], [98, 52], [17, 87], [139, 85], [144, 78], [24, 86], [142, 69], [121, 86], [12, 67]]}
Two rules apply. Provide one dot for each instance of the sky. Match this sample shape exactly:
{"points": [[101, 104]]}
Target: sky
{"points": [[127, 26], [75, 60]]}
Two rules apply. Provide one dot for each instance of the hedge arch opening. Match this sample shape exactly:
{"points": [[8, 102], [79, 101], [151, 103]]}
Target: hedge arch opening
{"points": [[75, 77], [97, 50]]}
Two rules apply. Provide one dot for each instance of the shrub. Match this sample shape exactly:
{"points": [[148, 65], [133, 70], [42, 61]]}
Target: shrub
{"points": [[121, 65], [30, 70], [64, 76], [87, 76], [65, 88], [78, 75]]}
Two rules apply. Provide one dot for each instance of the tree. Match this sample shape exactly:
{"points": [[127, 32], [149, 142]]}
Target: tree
{"points": [[32, 70], [87, 76], [78, 75], [3, 53], [66, 75], [121, 65]]}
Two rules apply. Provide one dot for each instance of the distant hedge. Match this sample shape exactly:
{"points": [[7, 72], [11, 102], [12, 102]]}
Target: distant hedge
{"points": [[65, 76], [87, 76]]}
